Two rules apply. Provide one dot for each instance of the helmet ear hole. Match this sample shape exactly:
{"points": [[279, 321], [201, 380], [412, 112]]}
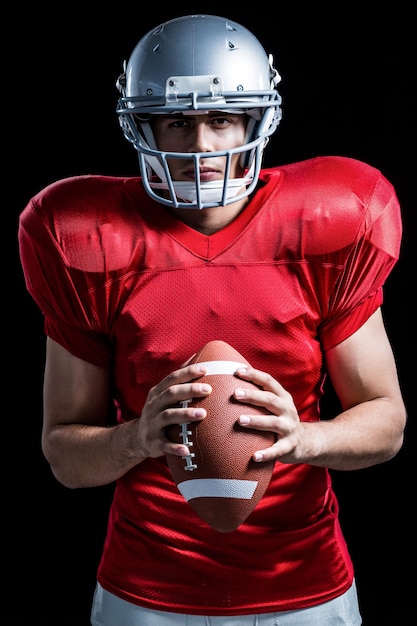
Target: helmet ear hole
{"points": [[267, 121], [251, 133], [256, 128]]}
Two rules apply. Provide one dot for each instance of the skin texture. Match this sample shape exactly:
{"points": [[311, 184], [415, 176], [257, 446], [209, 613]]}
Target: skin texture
{"points": [[203, 133], [83, 452]]}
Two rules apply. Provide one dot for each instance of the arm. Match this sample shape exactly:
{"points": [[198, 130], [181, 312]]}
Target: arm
{"points": [[80, 449], [363, 372], [370, 428]]}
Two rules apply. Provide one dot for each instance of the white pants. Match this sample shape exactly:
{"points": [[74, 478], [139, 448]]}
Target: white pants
{"points": [[109, 610]]}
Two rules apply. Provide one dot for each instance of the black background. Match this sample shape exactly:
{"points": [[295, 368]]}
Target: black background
{"points": [[348, 88]]}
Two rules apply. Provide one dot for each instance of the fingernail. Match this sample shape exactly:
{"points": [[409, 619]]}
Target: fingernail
{"points": [[239, 393], [244, 419]]}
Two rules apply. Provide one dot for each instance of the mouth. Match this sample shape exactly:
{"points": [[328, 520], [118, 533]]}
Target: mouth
{"points": [[206, 174]]}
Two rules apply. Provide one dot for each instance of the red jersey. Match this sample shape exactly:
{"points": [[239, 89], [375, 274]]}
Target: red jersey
{"points": [[125, 285]]}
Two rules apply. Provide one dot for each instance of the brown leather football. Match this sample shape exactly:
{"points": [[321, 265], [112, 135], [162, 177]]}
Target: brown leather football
{"points": [[219, 479]]}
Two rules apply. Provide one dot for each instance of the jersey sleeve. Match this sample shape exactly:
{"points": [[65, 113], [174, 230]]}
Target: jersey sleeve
{"points": [[57, 287], [367, 261]]}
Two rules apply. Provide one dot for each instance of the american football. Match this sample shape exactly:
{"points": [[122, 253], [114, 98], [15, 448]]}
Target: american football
{"points": [[219, 478]]}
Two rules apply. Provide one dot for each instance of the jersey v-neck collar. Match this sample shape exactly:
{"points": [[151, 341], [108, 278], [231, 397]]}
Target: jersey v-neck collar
{"points": [[208, 246], [200, 244]]}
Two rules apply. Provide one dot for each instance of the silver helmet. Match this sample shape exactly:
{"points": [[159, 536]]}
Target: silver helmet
{"points": [[198, 63]]}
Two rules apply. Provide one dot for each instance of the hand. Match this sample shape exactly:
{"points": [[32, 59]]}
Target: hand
{"points": [[166, 404], [284, 419]]}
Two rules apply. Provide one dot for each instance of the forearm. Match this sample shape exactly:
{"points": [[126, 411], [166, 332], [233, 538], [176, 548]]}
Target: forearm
{"points": [[370, 429], [90, 456], [365, 435]]}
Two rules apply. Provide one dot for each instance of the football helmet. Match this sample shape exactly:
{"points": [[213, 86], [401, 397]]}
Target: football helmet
{"points": [[198, 64]]}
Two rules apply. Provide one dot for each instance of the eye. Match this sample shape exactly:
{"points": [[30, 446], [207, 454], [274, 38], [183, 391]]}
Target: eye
{"points": [[178, 123], [220, 121]]}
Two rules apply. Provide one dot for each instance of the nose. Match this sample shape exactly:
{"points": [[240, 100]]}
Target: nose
{"points": [[201, 138]]}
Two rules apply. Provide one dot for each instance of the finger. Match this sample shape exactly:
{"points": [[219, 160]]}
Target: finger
{"points": [[175, 418], [262, 379], [282, 425], [182, 394], [282, 447], [267, 399], [181, 375]]}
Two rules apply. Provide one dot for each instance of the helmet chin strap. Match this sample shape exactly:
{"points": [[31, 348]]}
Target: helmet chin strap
{"points": [[211, 192]]}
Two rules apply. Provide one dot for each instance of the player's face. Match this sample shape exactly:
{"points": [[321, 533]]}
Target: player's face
{"points": [[208, 132]]}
